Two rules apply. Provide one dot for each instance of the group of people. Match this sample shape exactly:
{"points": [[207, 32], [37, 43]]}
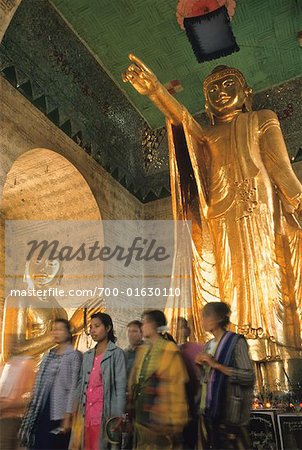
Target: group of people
{"points": [[170, 395]]}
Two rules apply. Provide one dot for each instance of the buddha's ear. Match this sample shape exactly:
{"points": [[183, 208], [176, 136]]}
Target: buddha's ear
{"points": [[248, 99], [209, 114]]}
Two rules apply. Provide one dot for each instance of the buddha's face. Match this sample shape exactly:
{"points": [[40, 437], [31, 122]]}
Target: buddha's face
{"points": [[46, 271], [43, 272], [225, 95]]}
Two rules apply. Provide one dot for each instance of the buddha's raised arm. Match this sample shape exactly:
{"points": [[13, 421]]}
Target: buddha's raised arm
{"points": [[146, 83]]}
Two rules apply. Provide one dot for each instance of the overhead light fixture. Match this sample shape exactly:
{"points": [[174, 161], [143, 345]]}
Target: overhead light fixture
{"points": [[195, 8], [208, 28]]}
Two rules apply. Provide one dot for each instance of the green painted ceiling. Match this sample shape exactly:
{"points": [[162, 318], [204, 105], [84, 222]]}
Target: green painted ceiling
{"points": [[266, 31]]}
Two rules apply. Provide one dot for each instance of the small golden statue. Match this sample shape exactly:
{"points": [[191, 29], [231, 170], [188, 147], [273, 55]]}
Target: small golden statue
{"points": [[235, 182], [27, 321]]}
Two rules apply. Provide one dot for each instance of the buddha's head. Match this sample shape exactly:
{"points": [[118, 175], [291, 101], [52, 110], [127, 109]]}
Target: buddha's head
{"points": [[42, 272], [226, 92]]}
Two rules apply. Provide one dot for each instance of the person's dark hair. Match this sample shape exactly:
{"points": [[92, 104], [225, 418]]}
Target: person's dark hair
{"points": [[156, 316], [66, 323], [184, 325], [159, 319], [107, 322], [136, 323], [221, 310]]}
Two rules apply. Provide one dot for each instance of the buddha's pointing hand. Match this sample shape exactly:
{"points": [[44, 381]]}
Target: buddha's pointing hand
{"points": [[140, 76]]}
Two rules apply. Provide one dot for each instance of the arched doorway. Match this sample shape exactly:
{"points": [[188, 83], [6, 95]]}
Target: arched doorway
{"points": [[44, 186]]}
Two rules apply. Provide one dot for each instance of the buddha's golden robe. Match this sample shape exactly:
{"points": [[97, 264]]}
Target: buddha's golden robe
{"points": [[236, 184]]}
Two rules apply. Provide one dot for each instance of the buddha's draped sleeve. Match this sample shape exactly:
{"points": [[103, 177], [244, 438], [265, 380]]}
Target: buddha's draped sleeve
{"points": [[189, 169], [275, 157]]}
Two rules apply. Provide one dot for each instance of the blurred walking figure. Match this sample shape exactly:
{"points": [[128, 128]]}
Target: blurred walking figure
{"points": [[102, 387], [227, 383], [189, 351], [157, 393], [47, 421], [16, 383], [135, 339]]}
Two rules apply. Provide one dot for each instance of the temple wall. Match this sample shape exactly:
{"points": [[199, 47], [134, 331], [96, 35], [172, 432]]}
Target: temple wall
{"points": [[158, 210], [26, 128]]}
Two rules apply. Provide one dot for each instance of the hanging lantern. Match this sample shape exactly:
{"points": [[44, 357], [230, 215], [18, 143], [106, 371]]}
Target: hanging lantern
{"points": [[194, 8], [208, 28]]}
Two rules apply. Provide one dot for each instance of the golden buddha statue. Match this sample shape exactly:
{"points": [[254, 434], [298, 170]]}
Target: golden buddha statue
{"points": [[27, 321], [234, 181]]}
